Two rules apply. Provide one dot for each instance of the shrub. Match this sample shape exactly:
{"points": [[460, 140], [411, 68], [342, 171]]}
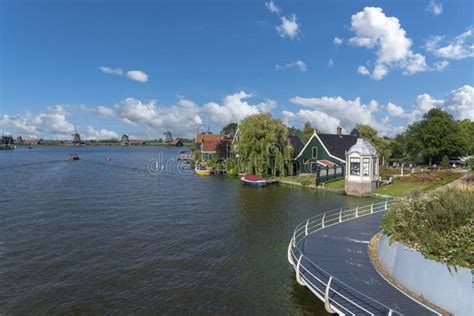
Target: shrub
{"points": [[470, 163], [232, 166], [440, 226], [307, 181]]}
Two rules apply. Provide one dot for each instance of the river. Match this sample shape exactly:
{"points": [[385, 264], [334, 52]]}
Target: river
{"points": [[109, 236]]}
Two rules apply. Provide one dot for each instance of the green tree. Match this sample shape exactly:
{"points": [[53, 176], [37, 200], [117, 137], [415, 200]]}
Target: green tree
{"points": [[436, 135], [466, 132], [470, 163], [355, 132], [397, 146], [365, 131], [382, 144], [292, 130], [308, 131], [262, 146], [445, 162], [230, 128]]}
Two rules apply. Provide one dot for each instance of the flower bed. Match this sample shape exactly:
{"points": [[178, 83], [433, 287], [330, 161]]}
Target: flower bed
{"points": [[440, 225]]}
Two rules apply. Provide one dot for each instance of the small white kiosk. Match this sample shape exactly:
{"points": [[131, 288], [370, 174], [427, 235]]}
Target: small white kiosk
{"points": [[362, 168]]}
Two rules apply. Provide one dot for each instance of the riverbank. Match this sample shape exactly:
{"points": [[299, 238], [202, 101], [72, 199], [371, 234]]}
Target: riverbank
{"points": [[400, 187], [309, 182]]}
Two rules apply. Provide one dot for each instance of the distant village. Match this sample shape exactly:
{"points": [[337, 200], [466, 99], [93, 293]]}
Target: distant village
{"points": [[9, 142], [265, 148]]}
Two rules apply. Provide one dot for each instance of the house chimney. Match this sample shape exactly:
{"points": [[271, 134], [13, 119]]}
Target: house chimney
{"points": [[338, 131]]}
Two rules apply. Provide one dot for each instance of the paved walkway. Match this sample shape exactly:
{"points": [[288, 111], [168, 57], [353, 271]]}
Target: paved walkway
{"points": [[341, 250]]}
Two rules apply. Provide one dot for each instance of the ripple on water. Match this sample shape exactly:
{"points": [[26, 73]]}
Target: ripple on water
{"points": [[91, 237]]}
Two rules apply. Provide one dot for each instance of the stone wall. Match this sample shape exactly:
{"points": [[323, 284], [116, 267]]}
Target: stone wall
{"points": [[451, 289], [359, 188]]}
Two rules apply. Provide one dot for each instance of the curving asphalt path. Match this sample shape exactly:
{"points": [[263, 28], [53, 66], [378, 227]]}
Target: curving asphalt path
{"points": [[342, 251]]}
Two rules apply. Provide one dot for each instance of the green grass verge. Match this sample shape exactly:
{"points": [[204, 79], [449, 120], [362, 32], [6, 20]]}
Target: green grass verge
{"points": [[403, 187], [300, 180], [337, 184]]}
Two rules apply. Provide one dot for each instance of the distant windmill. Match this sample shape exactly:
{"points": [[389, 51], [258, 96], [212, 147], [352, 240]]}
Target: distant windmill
{"points": [[76, 138], [168, 137], [124, 141]]}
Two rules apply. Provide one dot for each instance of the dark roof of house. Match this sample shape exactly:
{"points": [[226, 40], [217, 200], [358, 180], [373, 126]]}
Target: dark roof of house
{"points": [[337, 145], [295, 142]]}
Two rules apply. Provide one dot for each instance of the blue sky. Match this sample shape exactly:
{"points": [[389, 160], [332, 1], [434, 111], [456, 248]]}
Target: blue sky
{"points": [[65, 65]]}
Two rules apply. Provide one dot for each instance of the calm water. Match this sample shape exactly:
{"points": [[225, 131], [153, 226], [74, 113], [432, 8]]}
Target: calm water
{"points": [[98, 236]]}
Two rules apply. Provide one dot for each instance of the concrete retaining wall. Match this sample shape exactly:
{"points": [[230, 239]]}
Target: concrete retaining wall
{"points": [[450, 290]]}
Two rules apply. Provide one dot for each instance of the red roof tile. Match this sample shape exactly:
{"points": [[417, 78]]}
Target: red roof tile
{"points": [[210, 145], [206, 137]]}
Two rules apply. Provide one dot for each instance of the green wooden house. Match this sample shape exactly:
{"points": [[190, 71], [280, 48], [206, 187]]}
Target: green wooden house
{"points": [[324, 150]]}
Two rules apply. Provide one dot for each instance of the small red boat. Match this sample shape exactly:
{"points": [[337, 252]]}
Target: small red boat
{"points": [[254, 181]]}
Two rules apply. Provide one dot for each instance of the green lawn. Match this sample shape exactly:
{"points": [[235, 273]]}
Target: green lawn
{"points": [[403, 187], [300, 180], [338, 184], [399, 188]]}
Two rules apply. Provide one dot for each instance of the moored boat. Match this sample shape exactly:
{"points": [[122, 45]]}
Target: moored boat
{"points": [[254, 181], [202, 171], [185, 155]]}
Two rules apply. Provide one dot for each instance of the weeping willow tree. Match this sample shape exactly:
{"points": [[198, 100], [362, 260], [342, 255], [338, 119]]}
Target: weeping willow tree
{"points": [[262, 146]]}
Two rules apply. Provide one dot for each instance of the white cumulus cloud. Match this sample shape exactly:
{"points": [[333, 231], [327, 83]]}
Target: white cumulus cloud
{"points": [[137, 75], [111, 71], [184, 117], [459, 103], [374, 30], [267, 105], [363, 70], [338, 110], [435, 8], [461, 47], [288, 27], [272, 7], [233, 108], [50, 124], [102, 133], [301, 65]]}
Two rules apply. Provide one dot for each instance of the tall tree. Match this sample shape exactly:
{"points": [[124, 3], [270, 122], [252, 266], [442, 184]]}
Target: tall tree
{"points": [[466, 130], [382, 144], [355, 132], [230, 128], [435, 136], [308, 131], [365, 131], [262, 146]]}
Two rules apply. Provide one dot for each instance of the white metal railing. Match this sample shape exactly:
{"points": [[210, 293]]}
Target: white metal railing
{"points": [[337, 296]]}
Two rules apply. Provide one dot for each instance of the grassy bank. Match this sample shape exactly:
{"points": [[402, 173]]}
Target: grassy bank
{"points": [[439, 225], [422, 181], [337, 184], [304, 181]]}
